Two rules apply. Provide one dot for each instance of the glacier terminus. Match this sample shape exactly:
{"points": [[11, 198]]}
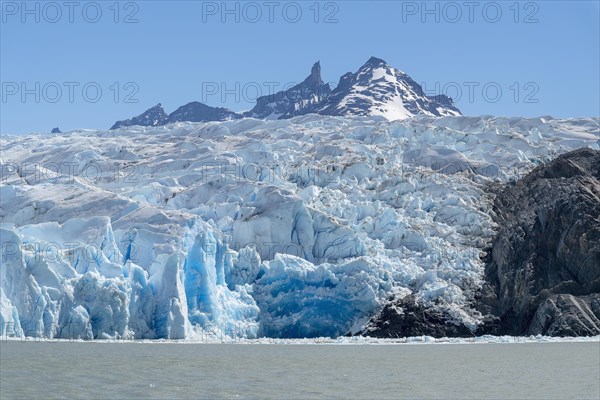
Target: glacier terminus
{"points": [[289, 228]]}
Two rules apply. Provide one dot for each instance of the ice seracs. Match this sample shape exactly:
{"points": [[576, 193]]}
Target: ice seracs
{"points": [[289, 228]]}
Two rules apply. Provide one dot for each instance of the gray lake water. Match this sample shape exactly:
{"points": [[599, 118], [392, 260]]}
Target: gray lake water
{"points": [[32, 370]]}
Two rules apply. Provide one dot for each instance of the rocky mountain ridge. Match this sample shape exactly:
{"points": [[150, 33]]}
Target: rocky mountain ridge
{"points": [[376, 89]]}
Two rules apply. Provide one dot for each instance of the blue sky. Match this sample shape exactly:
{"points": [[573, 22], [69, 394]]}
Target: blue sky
{"points": [[501, 58]]}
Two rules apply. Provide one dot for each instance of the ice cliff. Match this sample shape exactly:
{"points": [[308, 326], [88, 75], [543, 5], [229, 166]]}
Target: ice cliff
{"points": [[289, 228]]}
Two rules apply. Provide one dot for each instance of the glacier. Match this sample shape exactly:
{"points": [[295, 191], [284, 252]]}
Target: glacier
{"points": [[248, 228]]}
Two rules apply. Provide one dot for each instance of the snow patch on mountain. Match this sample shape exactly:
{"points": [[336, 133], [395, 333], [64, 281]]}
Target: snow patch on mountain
{"points": [[378, 89]]}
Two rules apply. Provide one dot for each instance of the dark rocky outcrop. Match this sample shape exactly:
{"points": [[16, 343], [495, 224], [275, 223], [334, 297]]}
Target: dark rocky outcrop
{"points": [[542, 273], [567, 315], [56, 130], [407, 317], [190, 112], [200, 112], [293, 101], [153, 116]]}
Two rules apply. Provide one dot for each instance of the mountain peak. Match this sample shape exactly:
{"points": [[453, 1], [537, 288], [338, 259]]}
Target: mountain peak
{"points": [[200, 112], [315, 73], [379, 89], [293, 101], [375, 62], [153, 116]]}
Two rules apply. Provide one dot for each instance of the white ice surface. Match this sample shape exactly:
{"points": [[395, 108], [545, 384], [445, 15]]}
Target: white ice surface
{"points": [[292, 228]]}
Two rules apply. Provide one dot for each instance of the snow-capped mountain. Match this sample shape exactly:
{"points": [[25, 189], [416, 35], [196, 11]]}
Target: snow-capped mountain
{"points": [[294, 101], [153, 116], [304, 227], [378, 89]]}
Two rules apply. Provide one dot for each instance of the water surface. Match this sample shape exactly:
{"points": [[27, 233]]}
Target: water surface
{"points": [[299, 371]]}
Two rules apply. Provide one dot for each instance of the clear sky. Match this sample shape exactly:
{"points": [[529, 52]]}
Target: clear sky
{"points": [[502, 58]]}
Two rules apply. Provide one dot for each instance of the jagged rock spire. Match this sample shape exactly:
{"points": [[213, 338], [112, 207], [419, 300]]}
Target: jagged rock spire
{"points": [[315, 73]]}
